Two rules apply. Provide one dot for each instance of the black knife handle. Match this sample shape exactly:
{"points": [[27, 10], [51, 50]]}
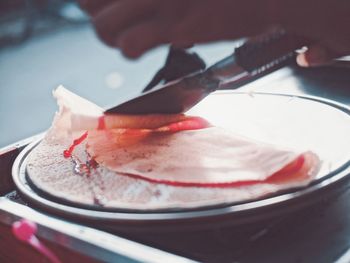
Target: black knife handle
{"points": [[179, 63], [268, 50]]}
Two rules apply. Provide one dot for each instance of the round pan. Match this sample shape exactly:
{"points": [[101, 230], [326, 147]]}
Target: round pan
{"points": [[311, 122]]}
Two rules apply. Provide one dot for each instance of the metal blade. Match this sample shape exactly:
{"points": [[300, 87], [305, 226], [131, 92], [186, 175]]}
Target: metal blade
{"points": [[174, 97]]}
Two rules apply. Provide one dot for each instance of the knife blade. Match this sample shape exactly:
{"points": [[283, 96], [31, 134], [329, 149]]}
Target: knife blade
{"points": [[254, 57]]}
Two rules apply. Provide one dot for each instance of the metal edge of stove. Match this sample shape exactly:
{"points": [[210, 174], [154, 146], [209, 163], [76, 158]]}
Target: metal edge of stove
{"points": [[240, 209], [22, 143], [94, 243]]}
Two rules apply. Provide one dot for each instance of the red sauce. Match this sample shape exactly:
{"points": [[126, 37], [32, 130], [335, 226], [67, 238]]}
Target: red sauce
{"points": [[68, 152], [192, 123], [101, 123], [287, 171]]}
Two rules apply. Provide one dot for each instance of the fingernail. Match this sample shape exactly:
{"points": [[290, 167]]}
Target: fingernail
{"points": [[301, 60]]}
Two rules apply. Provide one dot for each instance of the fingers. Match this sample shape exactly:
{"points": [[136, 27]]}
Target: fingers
{"points": [[116, 17], [136, 26], [316, 55], [147, 34], [142, 37], [135, 41], [92, 7], [208, 21], [139, 25]]}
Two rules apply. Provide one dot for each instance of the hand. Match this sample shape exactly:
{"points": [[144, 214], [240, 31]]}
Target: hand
{"points": [[135, 26], [326, 22]]}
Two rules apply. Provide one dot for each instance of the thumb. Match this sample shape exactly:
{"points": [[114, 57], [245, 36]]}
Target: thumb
{"points": [[316, 55]]}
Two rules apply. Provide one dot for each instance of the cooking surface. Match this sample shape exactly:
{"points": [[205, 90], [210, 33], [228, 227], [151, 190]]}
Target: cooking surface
{"points": [[73, 57], [290, 126]]}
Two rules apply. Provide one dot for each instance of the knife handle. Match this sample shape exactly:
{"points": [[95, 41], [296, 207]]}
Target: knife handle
{"points": [[179, 63], [263, 52]]}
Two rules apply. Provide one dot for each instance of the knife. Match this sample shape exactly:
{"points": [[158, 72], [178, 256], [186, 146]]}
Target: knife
{"points": [[253, 58]]}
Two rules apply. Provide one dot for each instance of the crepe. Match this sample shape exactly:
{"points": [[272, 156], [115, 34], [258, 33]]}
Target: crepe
{"points": [[205, 157], [157, 168]]}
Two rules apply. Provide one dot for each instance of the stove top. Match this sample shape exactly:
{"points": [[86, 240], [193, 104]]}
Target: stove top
{"points": [[276, 238]]}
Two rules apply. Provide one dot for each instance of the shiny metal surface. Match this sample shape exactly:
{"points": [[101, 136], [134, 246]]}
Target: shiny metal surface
{"points": [[94, 243], [287, 120], [174, 97]]}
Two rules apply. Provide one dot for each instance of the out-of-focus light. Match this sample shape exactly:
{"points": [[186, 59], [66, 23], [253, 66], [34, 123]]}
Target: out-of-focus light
{"points": [[114, 80]]}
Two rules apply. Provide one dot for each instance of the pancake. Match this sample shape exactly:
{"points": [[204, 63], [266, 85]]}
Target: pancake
{"points": [[199, 167]]}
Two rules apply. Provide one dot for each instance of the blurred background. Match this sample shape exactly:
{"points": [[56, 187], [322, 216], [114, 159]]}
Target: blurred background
{"points": [[45, 43]]}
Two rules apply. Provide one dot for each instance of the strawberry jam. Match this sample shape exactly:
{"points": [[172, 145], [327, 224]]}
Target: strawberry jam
{"points": [[68, 152]]}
